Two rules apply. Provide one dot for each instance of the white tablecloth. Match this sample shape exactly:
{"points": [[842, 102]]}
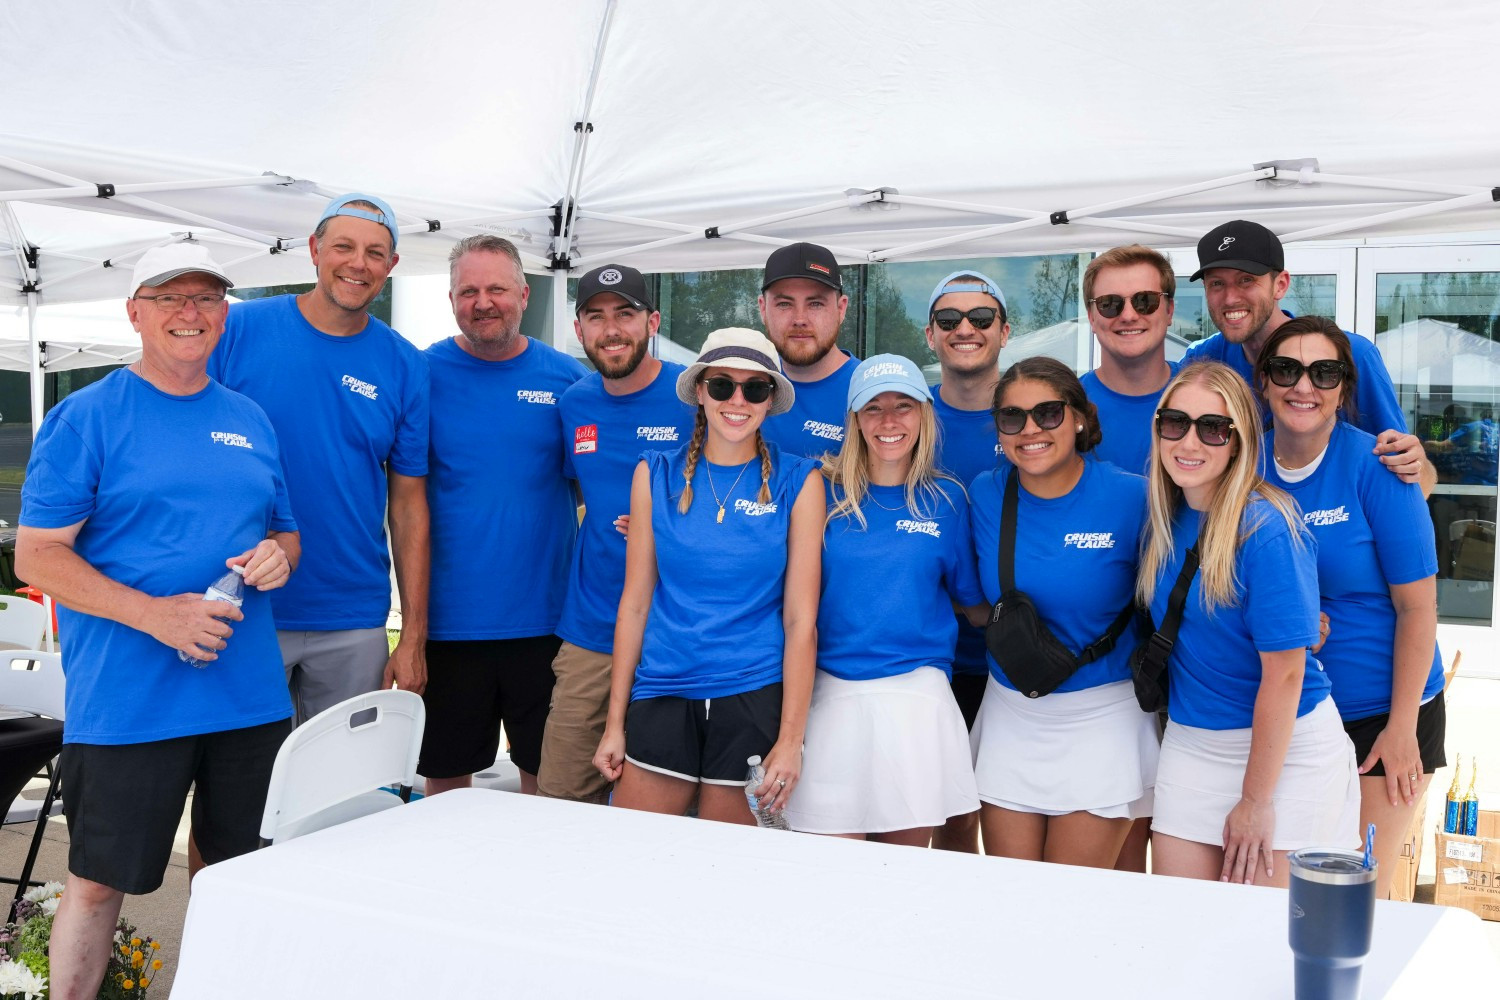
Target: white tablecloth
{"points": [[491, 894]]}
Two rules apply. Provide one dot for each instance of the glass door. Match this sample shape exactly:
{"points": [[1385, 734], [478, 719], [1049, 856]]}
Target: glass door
{"points": [[1434, 312]]}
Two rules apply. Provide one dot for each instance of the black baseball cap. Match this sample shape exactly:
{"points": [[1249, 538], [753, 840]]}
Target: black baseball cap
{"points": [[803, 260], [626, 282], [1244, 246]]}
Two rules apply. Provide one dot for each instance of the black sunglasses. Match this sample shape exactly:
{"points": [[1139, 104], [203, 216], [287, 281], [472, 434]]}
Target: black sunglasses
{"points": [[980, 318], [755, 390], [1172, 425], [1286, 372], [1048, 415], [1144, 303]]}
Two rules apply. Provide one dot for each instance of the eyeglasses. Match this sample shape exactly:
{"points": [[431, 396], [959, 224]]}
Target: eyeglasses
{"points": [[1213, 429], [1287, 372], [1048, 415], [1144, 303], [755, 390], [172, 302], [980, 318]]}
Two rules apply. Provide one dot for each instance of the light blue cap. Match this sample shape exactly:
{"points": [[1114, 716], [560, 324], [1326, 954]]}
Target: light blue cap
{"points": [[886, 373], [341, 206], [967, 281]]}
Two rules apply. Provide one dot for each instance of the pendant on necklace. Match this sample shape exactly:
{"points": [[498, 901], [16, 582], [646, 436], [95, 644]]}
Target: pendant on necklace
{"points": [[721, 514]]}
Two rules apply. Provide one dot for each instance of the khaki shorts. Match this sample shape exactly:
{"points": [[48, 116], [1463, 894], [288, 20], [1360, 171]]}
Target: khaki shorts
{"points": [[580, 702]]}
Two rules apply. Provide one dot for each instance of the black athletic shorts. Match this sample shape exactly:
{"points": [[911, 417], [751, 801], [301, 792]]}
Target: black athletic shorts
{"points": [[968, 691], [698, 739], [475, 685], [1432, 727], [124, 801]]}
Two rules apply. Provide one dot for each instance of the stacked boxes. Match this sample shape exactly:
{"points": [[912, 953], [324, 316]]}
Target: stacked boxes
{"points": [[1468, 868]]}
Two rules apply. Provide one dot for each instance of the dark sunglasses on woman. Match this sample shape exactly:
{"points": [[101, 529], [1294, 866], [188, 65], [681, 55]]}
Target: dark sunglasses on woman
{"points": [[980, 318], [755, 390], [1172, 425], [1286, 372], [1012, 419], [1144, 303]]}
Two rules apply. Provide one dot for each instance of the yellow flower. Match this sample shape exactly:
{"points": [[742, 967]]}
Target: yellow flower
{"points": [[135, 942], [136, 956], [156, 963], [124, 949], [155, 945], [145, 983], [129, 984]]}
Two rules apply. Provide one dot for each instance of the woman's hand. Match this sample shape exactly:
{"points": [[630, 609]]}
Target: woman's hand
{"points": [[783, 767], [1247, 835], [1323, 626], [610, 757], [1403, 763]]}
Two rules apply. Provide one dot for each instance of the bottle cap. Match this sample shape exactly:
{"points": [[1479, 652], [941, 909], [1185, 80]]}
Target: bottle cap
{"points": [[238, 569], [754, 761]]}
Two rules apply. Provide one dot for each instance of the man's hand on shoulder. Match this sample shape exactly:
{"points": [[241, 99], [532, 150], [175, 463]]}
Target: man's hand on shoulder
{"points": [[1403, 455]]}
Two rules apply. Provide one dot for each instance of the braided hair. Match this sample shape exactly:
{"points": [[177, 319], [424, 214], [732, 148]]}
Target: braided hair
{"points": [[695, 448]]}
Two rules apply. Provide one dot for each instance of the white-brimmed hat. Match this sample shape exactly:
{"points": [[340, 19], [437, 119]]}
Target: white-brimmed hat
{"points": [[160, 265], [743, 350]]}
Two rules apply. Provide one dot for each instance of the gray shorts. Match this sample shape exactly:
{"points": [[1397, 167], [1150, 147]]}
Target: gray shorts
{"points": [[325, 668]]}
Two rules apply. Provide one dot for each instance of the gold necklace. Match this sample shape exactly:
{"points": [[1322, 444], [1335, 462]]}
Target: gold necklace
{"points": [[709, 469]]}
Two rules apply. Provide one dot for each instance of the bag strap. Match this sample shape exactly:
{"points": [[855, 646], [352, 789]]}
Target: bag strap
{"points": [[1102, 646], [1008, 531], [1177, 600]]}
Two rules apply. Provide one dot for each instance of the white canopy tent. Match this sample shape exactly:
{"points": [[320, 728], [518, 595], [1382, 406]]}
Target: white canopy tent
{"points": [[683, 135]]}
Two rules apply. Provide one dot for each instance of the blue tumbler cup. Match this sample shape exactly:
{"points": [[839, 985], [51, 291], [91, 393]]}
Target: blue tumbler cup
{"points": [[1332, 913]]}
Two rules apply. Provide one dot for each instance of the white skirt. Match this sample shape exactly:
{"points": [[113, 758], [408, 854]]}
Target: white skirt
{"points": [[1316, 798], [1089, 751], [883, 755]]}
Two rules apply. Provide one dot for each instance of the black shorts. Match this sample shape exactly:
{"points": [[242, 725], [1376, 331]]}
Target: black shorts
{"points": [[968, 691], [474, 685], [124, 802], [708, 740], [1432, 727]]}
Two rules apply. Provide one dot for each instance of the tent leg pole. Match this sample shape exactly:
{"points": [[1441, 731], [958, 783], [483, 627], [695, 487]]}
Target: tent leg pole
{"points": [[562, 325]]}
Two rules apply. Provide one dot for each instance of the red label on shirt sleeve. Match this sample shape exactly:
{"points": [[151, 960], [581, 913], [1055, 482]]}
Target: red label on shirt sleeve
{"points": [[585, 439]]}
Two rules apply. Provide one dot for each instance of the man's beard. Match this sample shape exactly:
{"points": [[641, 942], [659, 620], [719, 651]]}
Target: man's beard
{"points": [[617, 367]]}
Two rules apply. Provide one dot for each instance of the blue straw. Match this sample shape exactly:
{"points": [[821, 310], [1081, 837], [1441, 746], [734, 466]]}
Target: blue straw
{"points": [[1370, 846]]}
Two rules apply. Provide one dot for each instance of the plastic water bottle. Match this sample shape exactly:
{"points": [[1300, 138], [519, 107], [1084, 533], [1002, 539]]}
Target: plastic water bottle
{"points": [[229, 588], [754, 778]]}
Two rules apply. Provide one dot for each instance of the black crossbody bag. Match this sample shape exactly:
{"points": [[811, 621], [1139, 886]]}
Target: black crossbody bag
{"points": [[1028, 653], [1148, 664]]}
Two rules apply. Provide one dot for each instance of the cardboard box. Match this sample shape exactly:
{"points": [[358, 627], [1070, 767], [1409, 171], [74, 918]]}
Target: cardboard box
{"points": [[1404, 884], [1468, 868]]}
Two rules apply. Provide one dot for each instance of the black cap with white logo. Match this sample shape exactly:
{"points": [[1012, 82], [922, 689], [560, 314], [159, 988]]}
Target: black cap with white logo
{"points": [[1244, 246], [626, 282], [803, 260]]}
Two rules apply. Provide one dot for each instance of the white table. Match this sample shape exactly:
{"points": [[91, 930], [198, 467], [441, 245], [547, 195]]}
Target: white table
{"points": [[490, 894]]}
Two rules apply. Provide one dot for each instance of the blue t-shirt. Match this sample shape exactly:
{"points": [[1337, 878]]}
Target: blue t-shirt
{"points": [[715, 625], [1374, 395], [168, 487], [503, 515], [1127, 423], [889, 588], [1372, 530], [815, 423], [1214, 672], [1076, 558], [968, 444], [603, 439], [344, 409]]}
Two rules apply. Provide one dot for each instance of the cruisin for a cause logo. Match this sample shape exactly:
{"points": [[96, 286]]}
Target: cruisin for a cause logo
{"points": [[919, 527], [536, 396], [817, 428], [362, 388], [1323, 518], [585, 439], [1089, 540], [752, 509], [882, 369], [656, 434], [233, 440]]}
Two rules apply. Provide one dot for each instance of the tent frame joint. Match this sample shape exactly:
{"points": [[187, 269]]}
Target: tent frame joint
{"points": [[433, 225], [711, 233], [1495, 194], [105, 190], [1058, 218]]}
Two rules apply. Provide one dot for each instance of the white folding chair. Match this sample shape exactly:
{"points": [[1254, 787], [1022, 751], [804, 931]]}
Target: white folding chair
{"points": [[334, 767], [23, 623], [32, 681]]}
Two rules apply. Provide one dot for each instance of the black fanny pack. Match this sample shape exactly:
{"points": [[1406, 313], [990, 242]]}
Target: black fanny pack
{"points": [[1148, 664], [1029, 655]]}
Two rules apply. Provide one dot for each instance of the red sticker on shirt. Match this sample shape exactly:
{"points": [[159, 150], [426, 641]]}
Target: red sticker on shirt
{"points": [[585, 439]]}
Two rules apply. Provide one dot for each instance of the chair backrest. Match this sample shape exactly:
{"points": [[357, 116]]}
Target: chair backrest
{"points": [[355, 747], [23, 623], [33, 680]]}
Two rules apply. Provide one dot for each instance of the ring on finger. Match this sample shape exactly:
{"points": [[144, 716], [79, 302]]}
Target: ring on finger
{"points": [[781, 782]]}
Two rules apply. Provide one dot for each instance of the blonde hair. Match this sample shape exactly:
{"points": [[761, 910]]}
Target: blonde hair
{"points": [[850, 470], [1222, 532], [695, 449]]}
